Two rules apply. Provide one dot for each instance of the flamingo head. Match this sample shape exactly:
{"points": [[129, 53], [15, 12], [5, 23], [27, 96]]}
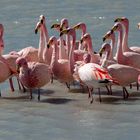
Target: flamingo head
{"points": [[65, 31], [38, 26], [80, 25], [105, 48], [1, 30], [42, 19], [1, 44], [122, 20], [117, 27], [85, 37], [64, 24], [108, 35], [139, 79], [52, 40], [86, 58], [138, 25], [20, 62], [56, 26]]}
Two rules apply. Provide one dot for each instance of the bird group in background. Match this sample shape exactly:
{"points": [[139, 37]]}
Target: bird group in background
{"points": [[68, 59]]}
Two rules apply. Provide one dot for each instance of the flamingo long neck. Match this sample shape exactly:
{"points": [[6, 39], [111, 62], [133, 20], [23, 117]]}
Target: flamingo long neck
{"points": [[55, 55], [89, 44], [71, 54], [112, 47], [125, 38], [68, 44], [41, 45], [119, 53], [104, 62], [46, 32], [83, 31]]}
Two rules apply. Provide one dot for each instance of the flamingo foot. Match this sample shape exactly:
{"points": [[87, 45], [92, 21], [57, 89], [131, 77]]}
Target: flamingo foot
{"points": [[11, 84], [137, 86], [68, 85], [38, 94]]}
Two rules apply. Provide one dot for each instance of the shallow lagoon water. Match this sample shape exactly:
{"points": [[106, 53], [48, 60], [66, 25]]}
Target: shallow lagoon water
{"points": [[62, 115]]}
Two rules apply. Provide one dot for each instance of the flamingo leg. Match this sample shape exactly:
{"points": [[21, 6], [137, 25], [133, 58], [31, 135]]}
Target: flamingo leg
{"points": [[99, 95], [38, 94], [137, 86], [123, 93], [130, 86], [90, 94], [11, 84], [31, 97], [127, 94], [108, 91], [68, 85], [18, 84]]}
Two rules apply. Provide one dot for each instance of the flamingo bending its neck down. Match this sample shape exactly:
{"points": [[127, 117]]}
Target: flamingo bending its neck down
{"points": [[33, 74], [125, 22]]}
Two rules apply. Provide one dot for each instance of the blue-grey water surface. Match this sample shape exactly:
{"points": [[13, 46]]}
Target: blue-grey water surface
{"points": [[73, 118]]}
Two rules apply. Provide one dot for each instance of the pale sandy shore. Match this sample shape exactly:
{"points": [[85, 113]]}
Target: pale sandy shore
{"points": [[68, 115]]}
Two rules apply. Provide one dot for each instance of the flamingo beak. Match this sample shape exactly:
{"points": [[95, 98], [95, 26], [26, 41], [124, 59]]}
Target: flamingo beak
{"points": [[101, 52], [48, 46], [104, 39], [139, 25], [63, 32], [18, 68], [81, 41], [117, 20]]}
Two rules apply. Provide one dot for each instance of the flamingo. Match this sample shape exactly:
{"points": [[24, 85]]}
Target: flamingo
{"points": [[61, 43], [110, 35], [61, 68], [95, 58], [123, 74], [1, 39], [47, 53], [125, 22], [33, 74], [126, 58], [93, 76]]}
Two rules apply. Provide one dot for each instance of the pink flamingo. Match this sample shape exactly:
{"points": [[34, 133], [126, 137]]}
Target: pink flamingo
{"points": [[62, 68], [126, 58], [61, 43], [112, 60], [125, 22], [95, 58], [93, 76], [33, 74], [47, 53], [1, 39], [123, 74]]}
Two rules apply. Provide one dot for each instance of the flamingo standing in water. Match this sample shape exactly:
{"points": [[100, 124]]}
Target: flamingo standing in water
{"points": [[95, 58], [62, 68], [126, 58], [125, 22], [33, 74], [123, 74], [61, 43]]}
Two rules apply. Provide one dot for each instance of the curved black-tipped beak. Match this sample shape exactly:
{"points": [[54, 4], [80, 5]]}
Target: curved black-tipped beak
{"points": [[48, 46], [52, 26], [36, 31], [81, 41], [104, 39]]}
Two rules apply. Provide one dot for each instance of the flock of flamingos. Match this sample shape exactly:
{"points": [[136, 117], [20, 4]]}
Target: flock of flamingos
{"points": [[67, 59]]}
